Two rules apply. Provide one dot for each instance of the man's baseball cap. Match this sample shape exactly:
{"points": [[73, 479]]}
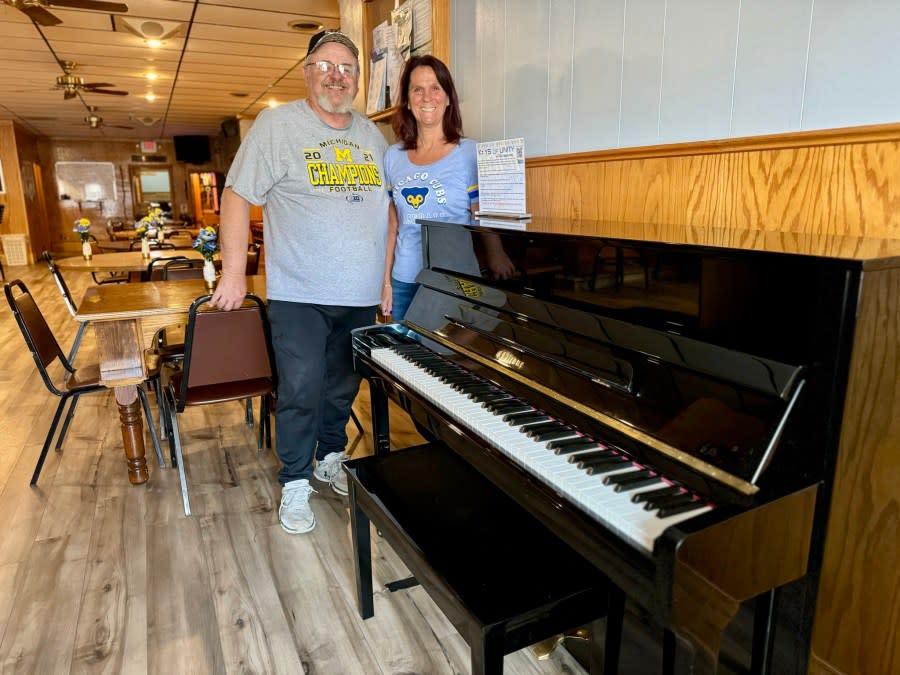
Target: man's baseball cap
{"points": [[326, 36]]}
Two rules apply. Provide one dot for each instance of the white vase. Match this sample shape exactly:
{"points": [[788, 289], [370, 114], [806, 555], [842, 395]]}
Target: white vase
{"points": [[86, 250], [145, 247], [209, 274], [160, 235]]}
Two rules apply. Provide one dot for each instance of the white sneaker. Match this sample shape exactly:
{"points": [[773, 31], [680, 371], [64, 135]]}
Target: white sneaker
{"points": [[330, 470], [294, 513]]}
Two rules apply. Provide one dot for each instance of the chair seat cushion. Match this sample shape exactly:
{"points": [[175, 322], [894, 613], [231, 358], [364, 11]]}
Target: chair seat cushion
{"points": [[84, 377], [226, 391]]}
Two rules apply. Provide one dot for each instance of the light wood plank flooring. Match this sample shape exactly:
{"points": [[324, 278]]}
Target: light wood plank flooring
{"points": [[99, 576]]}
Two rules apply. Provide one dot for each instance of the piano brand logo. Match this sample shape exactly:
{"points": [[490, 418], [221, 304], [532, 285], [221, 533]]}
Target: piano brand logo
{"points": [[414, 196], [468, 288]]}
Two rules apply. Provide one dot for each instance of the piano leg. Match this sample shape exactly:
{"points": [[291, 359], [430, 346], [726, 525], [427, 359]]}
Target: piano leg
{"points": [[763, 634], [615, 615], [362, 546], [381, 433], [487, 657]]}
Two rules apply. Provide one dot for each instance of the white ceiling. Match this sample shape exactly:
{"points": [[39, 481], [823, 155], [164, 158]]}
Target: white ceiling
{"points": [[224, 47]]}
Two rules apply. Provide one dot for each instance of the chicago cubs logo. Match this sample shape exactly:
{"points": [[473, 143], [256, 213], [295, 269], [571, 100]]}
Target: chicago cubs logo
{"points": [[414, 196]]}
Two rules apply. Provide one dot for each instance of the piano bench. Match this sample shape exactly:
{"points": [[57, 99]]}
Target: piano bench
{"points": [[501, 578]]}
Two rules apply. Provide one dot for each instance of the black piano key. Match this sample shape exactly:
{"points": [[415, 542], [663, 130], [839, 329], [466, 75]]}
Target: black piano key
{"points": [[629, 477], [545, 436], [652, 494], [511, 408], [598, 467], [489, 396], [569, 445], [478, 387], [649, 480], [595, 454], [668, 502], [528, 417], [680, 508], [541, 428]]}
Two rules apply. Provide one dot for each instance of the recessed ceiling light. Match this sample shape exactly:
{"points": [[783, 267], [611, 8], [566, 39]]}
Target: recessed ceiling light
{"points": [[305, 26], [273, 103], [154, 44], [150, 96], [151, 76]]}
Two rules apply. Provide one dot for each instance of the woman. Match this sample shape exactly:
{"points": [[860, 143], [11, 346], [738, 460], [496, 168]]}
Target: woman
{"points": [[431, 173]]}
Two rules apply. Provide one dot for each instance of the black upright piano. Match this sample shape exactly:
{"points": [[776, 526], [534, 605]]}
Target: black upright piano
{"points": [[670, 406]]}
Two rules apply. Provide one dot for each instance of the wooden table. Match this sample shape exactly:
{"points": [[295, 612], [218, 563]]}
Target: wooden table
{"points": [[125, 244], [125, 317], [124, 261]]}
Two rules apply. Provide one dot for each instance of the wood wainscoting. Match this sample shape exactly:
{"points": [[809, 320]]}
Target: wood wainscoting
{"points": [[837, 183]]}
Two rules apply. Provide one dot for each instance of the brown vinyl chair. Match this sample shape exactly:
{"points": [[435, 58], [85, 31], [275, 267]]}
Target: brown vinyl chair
{"points": [[187, 268], [227, 357], [76, 381], [252, 260]]}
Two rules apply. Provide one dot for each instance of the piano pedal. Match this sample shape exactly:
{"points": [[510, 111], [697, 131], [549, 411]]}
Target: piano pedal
{"points": [[544, 649]]}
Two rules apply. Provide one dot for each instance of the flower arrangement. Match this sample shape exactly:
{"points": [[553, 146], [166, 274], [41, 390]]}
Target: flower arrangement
{"points": [[207, 242], [142, 227], [154, 220], [83, 228]]}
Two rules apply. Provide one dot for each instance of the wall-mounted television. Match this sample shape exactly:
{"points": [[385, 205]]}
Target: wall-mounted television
{"points": [[192, 149]]}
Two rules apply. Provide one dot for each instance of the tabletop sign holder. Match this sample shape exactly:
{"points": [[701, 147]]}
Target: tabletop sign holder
{"points": [[501, 183]]}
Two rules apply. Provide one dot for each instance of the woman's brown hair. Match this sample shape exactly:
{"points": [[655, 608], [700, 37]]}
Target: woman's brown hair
{"points": [[404, 124]]}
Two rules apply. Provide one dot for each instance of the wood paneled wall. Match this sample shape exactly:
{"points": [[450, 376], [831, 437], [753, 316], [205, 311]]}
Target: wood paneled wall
{"points": [[837, 182], [841, 183]]}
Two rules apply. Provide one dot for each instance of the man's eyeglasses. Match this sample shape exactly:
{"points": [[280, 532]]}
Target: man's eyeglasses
{"points": [[347, 69]]}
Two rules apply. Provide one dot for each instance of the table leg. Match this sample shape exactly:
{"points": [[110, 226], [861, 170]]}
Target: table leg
{"points": [[131, 417]]}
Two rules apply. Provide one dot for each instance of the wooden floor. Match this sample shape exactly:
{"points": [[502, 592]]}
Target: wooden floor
{"points": [[100, 576]]}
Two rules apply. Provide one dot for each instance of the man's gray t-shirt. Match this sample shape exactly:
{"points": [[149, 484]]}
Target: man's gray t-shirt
{"points": [[324, 204]]}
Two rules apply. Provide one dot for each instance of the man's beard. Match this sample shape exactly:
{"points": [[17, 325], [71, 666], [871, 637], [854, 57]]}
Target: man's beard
{"points": [[342, 107]]}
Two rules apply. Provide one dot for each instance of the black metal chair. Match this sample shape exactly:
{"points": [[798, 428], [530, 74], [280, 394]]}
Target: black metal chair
{"points": [[186, 268], [77, 381], [227, 357], [69, 302]]}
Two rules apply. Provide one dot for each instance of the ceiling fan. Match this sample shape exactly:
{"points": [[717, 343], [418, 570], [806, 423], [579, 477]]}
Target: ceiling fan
{"points": [[37, 11], [72, 84]]}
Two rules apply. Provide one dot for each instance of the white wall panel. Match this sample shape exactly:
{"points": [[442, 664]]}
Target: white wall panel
{"points": [[527, 72], [641, 71], [560, 33], [698, 69], [854, 64], [580, 75], [491, 44], [771, 64], [465, 65], [596, 75]]}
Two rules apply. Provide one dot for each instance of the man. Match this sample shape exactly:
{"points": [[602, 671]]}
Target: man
{"points": [[316, 167]]}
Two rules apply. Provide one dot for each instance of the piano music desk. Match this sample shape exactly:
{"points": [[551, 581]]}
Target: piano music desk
{"points": [[492, 569]]}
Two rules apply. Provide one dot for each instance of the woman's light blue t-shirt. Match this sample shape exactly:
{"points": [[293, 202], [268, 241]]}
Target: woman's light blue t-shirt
{"points": [[444, 190]]}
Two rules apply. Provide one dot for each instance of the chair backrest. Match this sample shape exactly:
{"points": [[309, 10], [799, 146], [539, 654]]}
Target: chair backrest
{"points": [[60, 282], [252, 260], [227, 348], [38, 336], [187, 268], [155, 267]]}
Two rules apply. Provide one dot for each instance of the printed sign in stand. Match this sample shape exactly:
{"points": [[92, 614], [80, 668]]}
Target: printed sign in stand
{"points": [[501, 183]]}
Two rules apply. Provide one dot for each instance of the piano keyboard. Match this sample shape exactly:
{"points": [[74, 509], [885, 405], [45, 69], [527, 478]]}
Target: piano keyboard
{"points": [[633, 500]]}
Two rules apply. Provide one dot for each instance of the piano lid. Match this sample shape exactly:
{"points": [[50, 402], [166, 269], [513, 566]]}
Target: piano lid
{"points": [[695, 352]]}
